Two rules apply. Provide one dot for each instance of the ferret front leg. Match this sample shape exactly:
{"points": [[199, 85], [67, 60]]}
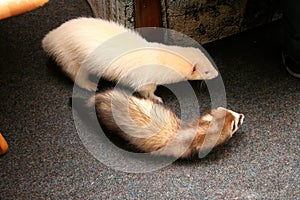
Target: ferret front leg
{"points": [[147, 91], [83, 81]]}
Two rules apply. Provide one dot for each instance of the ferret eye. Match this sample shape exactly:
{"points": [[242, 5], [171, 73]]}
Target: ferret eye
{"points": [[233, 126]]}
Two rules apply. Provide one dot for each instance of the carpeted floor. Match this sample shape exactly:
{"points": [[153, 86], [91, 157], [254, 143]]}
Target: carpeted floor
{"points": [[47, 159]]}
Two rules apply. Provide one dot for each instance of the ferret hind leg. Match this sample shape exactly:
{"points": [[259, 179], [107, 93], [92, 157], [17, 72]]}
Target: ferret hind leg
{"points": [[147, 91], [83, 81]]}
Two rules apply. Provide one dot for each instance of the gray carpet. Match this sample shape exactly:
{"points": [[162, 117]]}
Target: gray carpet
{"points": [[47, 160]]}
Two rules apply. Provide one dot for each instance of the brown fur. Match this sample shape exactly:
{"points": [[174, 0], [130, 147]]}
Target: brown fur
{"points": [[152, 128]]}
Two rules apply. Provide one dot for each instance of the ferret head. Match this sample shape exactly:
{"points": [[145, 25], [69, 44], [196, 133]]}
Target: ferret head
{"points": [[232, 122], [202, 68], [217, 127], [199, 67]]}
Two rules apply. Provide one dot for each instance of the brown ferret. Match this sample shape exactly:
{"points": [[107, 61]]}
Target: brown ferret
{"points": [[153, 128]]}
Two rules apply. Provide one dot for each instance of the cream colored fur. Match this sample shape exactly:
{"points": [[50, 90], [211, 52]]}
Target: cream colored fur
{"points": [[86, 46]]}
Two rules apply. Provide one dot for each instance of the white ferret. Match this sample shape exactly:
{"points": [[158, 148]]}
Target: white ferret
{"points": [[106, 49], [152, 128]]}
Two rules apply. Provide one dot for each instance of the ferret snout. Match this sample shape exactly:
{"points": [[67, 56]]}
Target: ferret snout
{"points": [[210, 74], [237, 122]]}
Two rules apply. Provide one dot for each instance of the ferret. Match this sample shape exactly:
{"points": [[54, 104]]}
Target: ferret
{"points": [[152, 128], [85, 46]]}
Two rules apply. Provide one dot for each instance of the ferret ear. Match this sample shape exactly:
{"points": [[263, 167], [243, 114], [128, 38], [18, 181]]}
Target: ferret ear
{"points": [[195, 68]]}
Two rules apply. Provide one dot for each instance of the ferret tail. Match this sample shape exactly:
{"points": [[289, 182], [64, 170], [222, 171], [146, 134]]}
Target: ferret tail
{"points": [[146, 125]]}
